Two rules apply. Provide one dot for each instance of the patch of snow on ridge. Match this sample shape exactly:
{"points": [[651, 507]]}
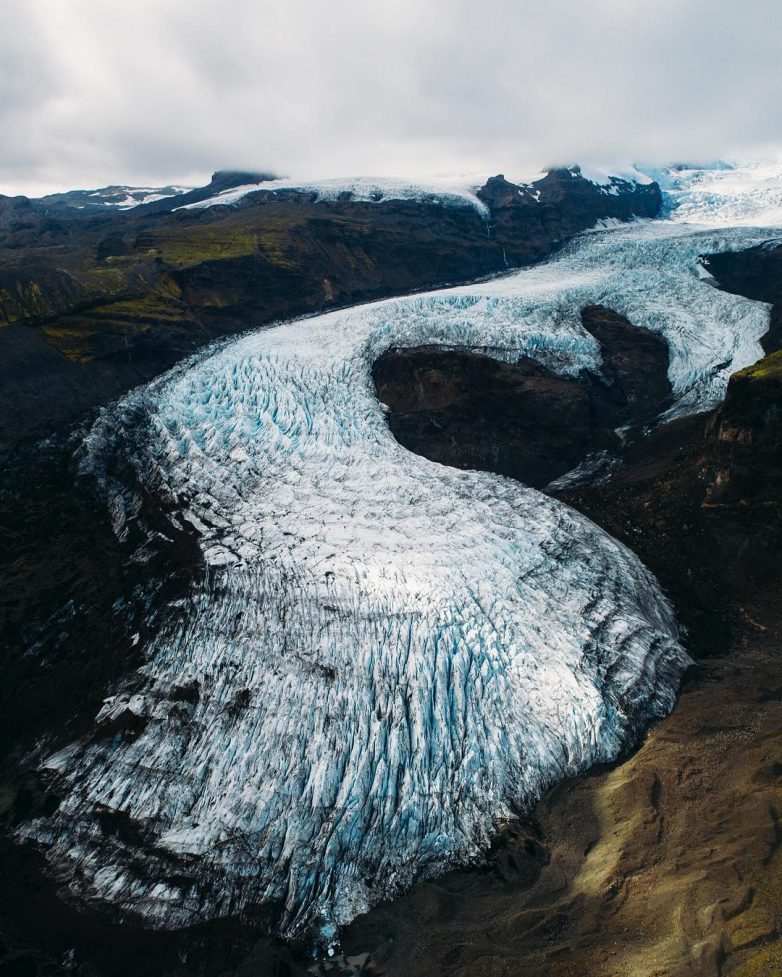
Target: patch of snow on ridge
{"points": [[608, 177], [391, 657], [449, 192], [125, 198]]}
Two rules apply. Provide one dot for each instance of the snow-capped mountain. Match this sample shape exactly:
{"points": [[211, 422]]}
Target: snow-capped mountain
{"points": [[448, 191], [454, 193], [720, 193]]}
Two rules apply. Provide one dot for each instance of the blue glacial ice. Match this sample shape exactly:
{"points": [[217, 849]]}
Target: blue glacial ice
{"points": [[392, 657]]}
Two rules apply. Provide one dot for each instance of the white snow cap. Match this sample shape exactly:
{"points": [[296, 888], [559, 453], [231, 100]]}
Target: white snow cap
{"points": [[604, 175], [449, 191]]}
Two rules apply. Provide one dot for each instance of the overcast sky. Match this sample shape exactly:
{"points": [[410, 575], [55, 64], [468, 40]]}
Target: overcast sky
{"points": [[94, 92]]}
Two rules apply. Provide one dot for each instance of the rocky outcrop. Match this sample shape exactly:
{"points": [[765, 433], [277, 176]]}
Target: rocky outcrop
{"points": [[527, 221], [474, 412], [757, 274], [746, 434], [520, 419]]}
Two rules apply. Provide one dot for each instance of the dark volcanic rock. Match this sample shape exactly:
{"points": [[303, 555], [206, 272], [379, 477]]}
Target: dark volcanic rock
{"points": [[635, 365], [746, 431], [37, 379], [83, 567], [40, 936], [114, 246], [471, 411], [528, 221]]}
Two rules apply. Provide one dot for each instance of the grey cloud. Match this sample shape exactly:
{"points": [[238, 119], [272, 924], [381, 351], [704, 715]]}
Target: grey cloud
{"points": [[99, 91]]}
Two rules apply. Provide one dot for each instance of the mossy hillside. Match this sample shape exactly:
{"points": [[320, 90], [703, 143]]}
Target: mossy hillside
{"points": [[184, 247], [746, 436], [754, 395], [49, 292], [154, 306], [343, 252], [55, 284], [94, 333], [769, 368], [24, 300], [283, 234]]}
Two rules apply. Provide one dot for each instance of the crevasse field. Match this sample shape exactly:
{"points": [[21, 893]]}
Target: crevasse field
{"points": [[392, 657]]}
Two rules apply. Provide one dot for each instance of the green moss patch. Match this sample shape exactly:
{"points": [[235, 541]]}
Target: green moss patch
{"points": [[184, 247], [770, 367]]}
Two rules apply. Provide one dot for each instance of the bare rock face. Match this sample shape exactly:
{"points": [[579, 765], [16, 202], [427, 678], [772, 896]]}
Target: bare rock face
{"points": [[471, 411], [757, 274], [634, 367], [527, 221], [747, 438], [746, 433], [520, 419]]}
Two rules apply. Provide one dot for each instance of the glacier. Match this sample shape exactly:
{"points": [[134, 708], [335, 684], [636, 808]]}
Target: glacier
{"points": [[385, 658], [448, 191], [728, 192]]}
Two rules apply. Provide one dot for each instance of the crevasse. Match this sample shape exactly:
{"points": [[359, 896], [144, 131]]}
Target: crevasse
{"points": [[391, 657]]}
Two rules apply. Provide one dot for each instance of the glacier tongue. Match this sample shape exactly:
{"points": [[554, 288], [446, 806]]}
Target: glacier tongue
{"points": [[747, 192], [389, 657]]}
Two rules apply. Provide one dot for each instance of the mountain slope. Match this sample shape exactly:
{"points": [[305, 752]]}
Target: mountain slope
{"points": [[123, 296]]}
